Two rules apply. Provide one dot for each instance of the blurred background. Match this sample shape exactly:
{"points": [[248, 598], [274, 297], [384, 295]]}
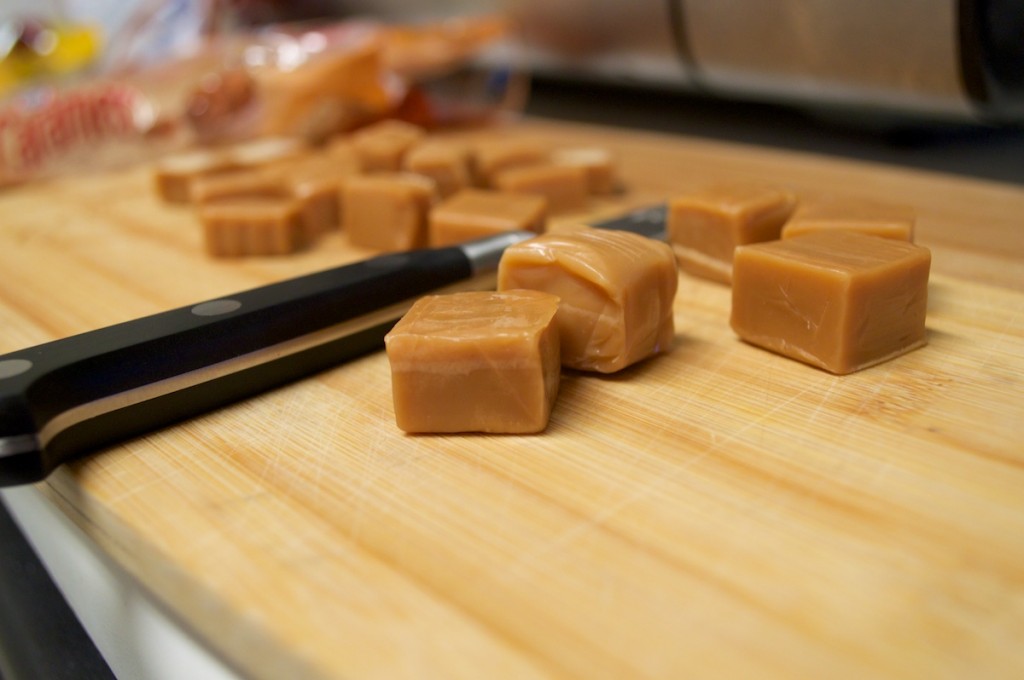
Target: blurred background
{"points": [[936, 84]]}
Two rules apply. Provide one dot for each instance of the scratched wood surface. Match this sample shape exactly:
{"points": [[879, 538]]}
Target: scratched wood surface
{"points": [[716, 512]]}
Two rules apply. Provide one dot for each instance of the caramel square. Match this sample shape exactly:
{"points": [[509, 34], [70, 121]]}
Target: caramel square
{"points": [[175, 175], [491, 157], [387, 211], [876, 218], [255, 183], [381, 147], [252, 226], [616, 289], [476, 362], [447, 163], [706, 226], [564, 186], [598, 164], [838, 300], [316, 182], [475, 213]]}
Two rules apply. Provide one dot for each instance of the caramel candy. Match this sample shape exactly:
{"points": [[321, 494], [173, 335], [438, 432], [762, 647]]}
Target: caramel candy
{"points": [[598, 163], [706, 226], [382, 146], [476, 362], [316, 182], [475, 213], [446, 163], [838, 300], [492, 157], [266, 150], [252, 226], [564, 186], [387, 211], [853, 214], [616, 290], [237, 184], [175, 175]]}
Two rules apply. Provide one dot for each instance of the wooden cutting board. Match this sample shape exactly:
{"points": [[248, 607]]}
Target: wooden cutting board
{"points": [[716, 512]]}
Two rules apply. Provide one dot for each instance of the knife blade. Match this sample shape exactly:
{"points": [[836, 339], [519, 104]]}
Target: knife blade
{"points": [[72, 396]]}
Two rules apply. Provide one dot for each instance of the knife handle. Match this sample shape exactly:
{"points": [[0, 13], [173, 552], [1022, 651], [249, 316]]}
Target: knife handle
{"points": [[68, 397]]}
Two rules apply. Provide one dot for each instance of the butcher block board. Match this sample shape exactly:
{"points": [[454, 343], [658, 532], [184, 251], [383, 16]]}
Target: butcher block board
{"points": [[718, 511]]}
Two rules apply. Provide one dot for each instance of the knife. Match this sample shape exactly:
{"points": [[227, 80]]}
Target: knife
{"points": [[66, 398]]}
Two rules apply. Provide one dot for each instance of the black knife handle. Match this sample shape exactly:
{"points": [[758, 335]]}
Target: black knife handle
{"points": [[68, 397]]}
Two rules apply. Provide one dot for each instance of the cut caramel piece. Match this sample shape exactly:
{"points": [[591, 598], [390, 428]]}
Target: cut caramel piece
{"points": [[564, 186], [316, 182], [387, 211], [475, 213], [175, 175], [476, 362], [876, 218], [841, 301], [238, 184], [598, 163], [492, 157], [252, 226], [706, 226], [616, 290], [267, 150], [382, 146], [446, 163]]}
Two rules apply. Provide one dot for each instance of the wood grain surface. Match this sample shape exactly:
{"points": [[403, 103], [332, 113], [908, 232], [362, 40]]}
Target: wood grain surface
{"points": [[716, 512]]}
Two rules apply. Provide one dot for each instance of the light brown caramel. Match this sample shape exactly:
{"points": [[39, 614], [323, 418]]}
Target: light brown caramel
{"points": [[382, 146], [564, 186], [175, 175], [616, 290], [387, 211], [838, 300], [475, 213], [876, 218], [252, 226], [706, 226], [258, 183], [267, 150], [447, 163], [491, 157], [316, 182], [598, 163], [476, 362]]}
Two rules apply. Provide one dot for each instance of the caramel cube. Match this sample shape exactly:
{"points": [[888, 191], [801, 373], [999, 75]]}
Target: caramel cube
{"points": [[252, 226], [175, 175], [475, 213], [381, 147], [706, 226], [446, 163], [492, 157], [838, 300], [316, 183], [564, 186], [616, 290], [387, 211], [476, 362], [876, 218], [238, 184], [597, 163], [267, 150]]}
